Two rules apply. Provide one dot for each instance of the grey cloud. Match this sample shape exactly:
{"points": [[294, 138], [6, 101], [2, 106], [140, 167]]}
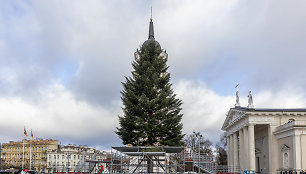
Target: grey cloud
{"points": [[260, 44], [259, 40], [59, 115], [101, 36]]}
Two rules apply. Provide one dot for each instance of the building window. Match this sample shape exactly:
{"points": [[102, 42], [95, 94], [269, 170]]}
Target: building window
{"points": [[285, 160]]}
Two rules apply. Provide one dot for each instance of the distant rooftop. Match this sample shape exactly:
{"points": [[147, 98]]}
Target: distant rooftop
{"points": [[35, 141]]}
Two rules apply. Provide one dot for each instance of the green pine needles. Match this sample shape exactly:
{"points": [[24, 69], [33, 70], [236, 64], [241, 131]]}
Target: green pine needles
{"points": [[151, 111]]}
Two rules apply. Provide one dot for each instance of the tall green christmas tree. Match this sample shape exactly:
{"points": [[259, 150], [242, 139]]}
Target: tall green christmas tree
{"points": [[151, 111]]}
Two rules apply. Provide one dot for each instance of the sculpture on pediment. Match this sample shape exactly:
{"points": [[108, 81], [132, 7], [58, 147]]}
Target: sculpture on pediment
{"points": [[250, 101], [237, 96]]}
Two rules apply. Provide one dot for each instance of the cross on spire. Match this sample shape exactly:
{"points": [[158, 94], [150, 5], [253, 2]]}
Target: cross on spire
{"points": [[151, 14], [151, 29]]}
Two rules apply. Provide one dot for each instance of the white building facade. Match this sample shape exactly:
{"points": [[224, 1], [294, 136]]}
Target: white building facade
{"points": [[266, 140], [72, 158]]}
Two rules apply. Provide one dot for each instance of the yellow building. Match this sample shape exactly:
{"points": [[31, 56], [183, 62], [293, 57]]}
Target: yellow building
{"points": [[12, 155]]}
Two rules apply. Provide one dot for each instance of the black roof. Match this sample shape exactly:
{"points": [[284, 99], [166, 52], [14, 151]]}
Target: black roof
{"points": [[270, 109], [167, 149]]}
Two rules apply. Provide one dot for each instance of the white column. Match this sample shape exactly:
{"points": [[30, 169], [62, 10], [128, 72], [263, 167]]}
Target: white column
{"points": [[231, 150], [231, 153], [273, 154], [251, 147], [235, 142], [228, 150], [297, 152], [241, 147], [246, 148]]}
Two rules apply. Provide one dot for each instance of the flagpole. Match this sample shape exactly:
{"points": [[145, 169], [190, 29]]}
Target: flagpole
{"points": [[30, 151], [23, 151]]}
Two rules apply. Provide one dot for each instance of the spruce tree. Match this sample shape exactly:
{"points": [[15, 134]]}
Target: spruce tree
{"points": [[151, 111]]}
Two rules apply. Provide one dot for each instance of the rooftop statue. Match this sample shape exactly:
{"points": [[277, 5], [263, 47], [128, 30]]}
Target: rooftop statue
{"points": [[250, 101], [237, 96]]}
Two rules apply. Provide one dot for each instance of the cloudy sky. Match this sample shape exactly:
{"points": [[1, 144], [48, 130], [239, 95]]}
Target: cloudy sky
{"points": [[62, 62]]}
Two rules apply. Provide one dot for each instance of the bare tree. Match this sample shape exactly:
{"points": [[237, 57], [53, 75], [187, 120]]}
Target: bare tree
{"points": [[206, 147], [221, 150], [192, 142]]}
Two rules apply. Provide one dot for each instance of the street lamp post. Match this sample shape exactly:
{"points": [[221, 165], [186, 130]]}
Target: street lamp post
{"points": [[198, 135]]}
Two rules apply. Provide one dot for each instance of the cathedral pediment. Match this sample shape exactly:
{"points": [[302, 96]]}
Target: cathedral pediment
{"points": [[233, 115]]}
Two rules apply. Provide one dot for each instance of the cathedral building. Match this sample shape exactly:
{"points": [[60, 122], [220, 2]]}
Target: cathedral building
{"points": [[266, 140]]}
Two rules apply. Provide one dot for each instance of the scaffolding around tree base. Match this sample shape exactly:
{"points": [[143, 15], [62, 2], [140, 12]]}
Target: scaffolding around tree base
{"points": [[147, 159]]}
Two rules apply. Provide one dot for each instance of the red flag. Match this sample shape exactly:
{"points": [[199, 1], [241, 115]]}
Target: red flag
{"points": [[25, 132], [31, 133]]}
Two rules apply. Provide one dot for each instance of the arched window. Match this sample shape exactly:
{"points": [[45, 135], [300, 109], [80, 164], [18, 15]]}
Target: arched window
{"points": [[285, 151]]}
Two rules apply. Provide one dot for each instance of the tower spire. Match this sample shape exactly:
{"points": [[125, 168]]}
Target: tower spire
{"points": [[151, 37], [151, 28]]}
